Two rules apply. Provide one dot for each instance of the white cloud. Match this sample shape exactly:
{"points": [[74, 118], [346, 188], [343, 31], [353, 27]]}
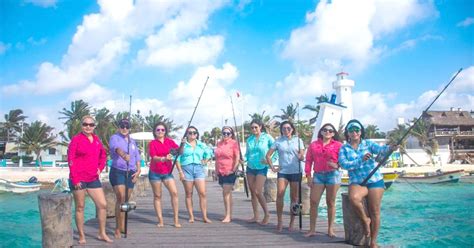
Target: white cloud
{"points": [[466, 22], [43, 3], [345, 32], [92, 94], [34, 42], [4, 48]]}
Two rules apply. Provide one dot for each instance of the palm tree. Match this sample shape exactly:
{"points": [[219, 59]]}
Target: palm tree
{"points": [[105, 125], [269, 124], [372, 132], [36, 138], [288, 113], [215, 135], [73, 117], [420, 131], [12, 125], [316, 108], [396, 134]]}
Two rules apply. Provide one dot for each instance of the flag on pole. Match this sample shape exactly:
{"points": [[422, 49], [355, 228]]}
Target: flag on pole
{"points": [[238, 94]]}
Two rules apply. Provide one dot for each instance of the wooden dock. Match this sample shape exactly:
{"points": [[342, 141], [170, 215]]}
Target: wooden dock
{"points": [[143, 231]]}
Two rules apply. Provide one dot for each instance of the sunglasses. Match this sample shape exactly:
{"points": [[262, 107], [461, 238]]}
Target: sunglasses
{"points": [[88, 124], [226, 133], [286, 128], [353, 129], [254, 127], [124, 126], [327, 130], [192, 132], [160, 130]]}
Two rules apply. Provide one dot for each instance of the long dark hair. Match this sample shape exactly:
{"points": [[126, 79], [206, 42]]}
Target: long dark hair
{"points": [[197, 131], [362, 130], [231, 131], [336, 134], [160, 124], [291, 125], [260, 124]]}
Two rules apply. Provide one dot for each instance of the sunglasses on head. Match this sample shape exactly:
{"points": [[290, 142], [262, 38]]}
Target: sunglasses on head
{"points": [[160, 130], [353, 129], [124, 126], [226, 133], [329, 130], [192, 132], [84, 124]]}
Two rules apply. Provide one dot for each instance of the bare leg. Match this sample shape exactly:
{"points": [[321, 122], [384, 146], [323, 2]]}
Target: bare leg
{"points": [[259, 182], [316, 193], [251, 179], [227, 195], [171, 186], [188, 188], [282, 183], [156, 187], [375, 200], [119, 215], [98, 197], [200, 185], [79, 200], [294, 198], [356, 194], [331, 193]]}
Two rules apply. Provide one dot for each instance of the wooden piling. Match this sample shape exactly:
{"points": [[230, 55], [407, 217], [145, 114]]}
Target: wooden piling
{"points": [[56, 219], [353, 227], [270, 189]]}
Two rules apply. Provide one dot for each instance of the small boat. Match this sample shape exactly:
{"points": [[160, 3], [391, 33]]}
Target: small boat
{"points": [[388, 179], [434, 177], [19, 187]]}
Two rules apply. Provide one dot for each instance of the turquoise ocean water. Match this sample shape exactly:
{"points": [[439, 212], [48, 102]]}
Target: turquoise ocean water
{"points": [[429, 216]]}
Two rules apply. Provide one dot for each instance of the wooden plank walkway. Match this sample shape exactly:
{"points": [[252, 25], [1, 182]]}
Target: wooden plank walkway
{"points": [[144, 233]]}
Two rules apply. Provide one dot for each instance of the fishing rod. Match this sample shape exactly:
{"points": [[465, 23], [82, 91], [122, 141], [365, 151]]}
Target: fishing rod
{"points": [[126, 206], [189, 124], [240, 151], [300, 207], [399, 142]]}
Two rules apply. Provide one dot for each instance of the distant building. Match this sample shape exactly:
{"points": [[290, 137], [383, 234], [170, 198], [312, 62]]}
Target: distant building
{"points": [[454, 128]]}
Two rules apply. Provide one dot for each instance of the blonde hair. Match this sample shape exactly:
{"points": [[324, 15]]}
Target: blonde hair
{"points": [[87, 117]]}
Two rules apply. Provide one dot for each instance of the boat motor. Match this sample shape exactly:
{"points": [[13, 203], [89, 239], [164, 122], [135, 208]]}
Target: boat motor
{"points": [[128, 206], [33, 179]]}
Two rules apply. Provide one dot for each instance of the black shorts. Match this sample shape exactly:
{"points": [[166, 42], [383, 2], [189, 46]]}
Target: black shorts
{"points": [[291, 177], [87, 185], [230, 179], [118, 177]]}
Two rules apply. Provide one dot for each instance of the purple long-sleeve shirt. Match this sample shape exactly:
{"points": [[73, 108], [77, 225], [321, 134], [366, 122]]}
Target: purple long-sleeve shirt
{"points": [[118, 141]]}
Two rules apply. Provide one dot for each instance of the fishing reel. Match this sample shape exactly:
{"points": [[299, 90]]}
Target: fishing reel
{"points": [[174, 152], [296, 208], [128, 206], [240, 173]]}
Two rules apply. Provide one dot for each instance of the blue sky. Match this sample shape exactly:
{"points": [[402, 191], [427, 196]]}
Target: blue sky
{"points": [[399, 53]]}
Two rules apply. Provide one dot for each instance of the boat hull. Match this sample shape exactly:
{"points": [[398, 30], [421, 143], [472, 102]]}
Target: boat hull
{"points": [[18, 187], [444, 177], [388, 178]]}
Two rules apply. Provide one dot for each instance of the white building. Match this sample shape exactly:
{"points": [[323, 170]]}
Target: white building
{"points": [[338, 110]]}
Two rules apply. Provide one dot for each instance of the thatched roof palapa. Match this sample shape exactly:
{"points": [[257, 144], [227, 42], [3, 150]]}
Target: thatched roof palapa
{"points": [[449, 118]]}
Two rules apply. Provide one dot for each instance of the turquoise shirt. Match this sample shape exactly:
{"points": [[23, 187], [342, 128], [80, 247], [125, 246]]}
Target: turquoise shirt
{"points": [[194, 156], [257, 149], [288, 154]]}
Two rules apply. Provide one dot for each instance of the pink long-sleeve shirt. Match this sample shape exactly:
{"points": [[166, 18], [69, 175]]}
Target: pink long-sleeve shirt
{"points": [[161, 149], [226, 153], [85, 158], [319, 155]]}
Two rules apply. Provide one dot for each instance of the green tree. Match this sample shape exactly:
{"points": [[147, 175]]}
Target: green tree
{"points": [[105, 125], [316, 108], [421, 132], [267, 121], [372, 132], [289, 113], [12, 125], [36, 138], [73, 118]]}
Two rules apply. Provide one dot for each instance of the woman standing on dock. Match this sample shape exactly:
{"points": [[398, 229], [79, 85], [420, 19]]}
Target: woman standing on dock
{"points": [[290, 150], [160, 171], [86, 159], [322, 157], [258, 145], [227, 161], [190, 165], [357, 156], [125, 156]]}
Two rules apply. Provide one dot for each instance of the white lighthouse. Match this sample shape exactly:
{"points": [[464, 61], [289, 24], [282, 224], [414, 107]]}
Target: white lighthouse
{"points": [[343, 87], [338, 110]]}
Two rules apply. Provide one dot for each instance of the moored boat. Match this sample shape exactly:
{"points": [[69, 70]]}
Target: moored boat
{"points": [[18, 187], [388, 179], [434, 177]]}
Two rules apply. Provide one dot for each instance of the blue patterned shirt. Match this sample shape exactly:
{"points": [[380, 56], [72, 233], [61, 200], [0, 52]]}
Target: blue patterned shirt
{"points": [[352, 160], [257, 149]]}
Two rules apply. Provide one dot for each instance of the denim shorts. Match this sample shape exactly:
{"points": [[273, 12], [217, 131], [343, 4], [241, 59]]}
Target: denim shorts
{"points": [[327, 178], [379, 184], [87, 185], [193, 172], [118, 177], [155, 177], [229, 179], [255, 172], [290, 177]]}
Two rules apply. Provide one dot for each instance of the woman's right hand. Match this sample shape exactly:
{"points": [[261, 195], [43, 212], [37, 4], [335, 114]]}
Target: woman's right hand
{"points": [[367, 156], [169, 157], [309, 181], [181, 176], [78, 186]]}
